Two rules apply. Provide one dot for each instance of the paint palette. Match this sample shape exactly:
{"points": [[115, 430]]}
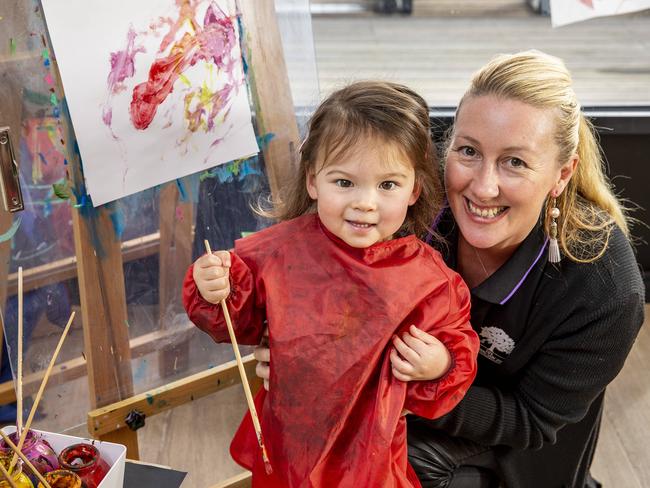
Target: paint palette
{"points": [[113, 454]]}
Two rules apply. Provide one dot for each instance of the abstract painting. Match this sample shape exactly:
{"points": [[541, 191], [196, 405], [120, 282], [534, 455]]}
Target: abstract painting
{"points": [[156, 88]]}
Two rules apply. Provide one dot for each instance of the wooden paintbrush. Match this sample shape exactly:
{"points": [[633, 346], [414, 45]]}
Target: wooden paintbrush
{"points": [[19, 369], [244, 379]]}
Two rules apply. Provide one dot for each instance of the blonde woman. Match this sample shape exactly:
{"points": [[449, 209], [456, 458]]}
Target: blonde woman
{"points": [[557, 297]]}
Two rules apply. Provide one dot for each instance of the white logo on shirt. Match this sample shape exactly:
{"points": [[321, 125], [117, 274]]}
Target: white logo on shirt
{"points": [[495, 344]]}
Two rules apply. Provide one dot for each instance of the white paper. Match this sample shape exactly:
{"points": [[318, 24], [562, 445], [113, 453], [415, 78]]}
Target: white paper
{"points": [[565, 12], [120, 158]]}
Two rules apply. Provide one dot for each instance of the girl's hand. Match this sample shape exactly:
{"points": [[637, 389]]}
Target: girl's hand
{"points": [[212, 276], [262, 354], [419, 356]]}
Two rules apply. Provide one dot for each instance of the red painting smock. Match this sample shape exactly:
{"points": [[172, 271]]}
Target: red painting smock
{"points": [[333, 414]]}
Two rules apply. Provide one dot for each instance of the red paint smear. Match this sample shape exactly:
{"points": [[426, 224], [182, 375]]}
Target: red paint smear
{"points": [[214, 41]]}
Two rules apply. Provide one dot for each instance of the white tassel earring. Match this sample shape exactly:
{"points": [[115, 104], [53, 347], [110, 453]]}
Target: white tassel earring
{"points": [[553, 248]]}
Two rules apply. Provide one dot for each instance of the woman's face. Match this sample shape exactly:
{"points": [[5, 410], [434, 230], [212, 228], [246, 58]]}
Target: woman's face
{"points": [[501, 166]]}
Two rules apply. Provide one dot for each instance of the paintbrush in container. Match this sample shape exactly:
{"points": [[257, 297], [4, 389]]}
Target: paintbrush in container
{"points": [[41, 388]]}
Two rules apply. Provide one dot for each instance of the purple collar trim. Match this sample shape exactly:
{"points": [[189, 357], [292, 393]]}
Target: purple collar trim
{"points": [[541, 252], [436, 221]]}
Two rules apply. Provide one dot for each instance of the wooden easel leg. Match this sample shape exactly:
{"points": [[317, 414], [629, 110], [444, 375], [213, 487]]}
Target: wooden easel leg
{"points": [[175, 258], [127, 437]]}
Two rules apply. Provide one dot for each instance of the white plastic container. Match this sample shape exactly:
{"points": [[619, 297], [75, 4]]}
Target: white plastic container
{"points": [[113, 454]]}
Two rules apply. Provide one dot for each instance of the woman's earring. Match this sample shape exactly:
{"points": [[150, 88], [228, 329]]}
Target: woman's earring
{"points": [[553, 248]]}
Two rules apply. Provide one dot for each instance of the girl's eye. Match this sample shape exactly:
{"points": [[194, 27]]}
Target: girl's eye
{"points": [[343, 183], [387, 185]]}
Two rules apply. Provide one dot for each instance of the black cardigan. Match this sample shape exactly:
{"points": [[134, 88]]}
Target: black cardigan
{"points": [[552, 337]]}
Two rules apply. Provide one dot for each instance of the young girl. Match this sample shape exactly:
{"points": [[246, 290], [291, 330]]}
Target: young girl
{"points": [[337, 280]]}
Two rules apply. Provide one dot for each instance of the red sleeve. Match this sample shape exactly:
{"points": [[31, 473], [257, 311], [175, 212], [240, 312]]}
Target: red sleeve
{"points": [[244, 305], [432, 399]]}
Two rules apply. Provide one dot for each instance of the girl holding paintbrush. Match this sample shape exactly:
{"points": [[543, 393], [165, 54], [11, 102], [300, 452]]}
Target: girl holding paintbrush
{"points": [[337, 280]]}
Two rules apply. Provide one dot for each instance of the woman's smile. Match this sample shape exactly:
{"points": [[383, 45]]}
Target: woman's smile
{"points": [[490, 213]]}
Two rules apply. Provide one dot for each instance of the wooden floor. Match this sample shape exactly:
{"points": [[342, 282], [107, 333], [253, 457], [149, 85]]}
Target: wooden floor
{"points": [[623, 454]]}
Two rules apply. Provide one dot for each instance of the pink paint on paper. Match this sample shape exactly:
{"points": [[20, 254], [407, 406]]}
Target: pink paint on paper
{"points": [[48, 79], [122, 67]]}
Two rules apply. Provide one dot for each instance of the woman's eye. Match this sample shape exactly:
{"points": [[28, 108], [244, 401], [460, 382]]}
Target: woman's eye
{"points": [[388, 185], [343, 183], [467, 151], [516, 163]]}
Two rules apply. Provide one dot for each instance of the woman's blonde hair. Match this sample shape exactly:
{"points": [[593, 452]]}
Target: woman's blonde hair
{"points": [[376, 111], [588, 206]]}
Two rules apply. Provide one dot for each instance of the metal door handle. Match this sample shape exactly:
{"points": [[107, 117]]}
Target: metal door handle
{"points": [[12, 196]]}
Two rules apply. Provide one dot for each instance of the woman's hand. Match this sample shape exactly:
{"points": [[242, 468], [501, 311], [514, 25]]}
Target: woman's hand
{"points": [[418, 356], [262, 354]]}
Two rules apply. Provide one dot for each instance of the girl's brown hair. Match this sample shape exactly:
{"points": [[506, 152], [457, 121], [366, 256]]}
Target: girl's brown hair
{"points": [[368, 110], [588, 206]]}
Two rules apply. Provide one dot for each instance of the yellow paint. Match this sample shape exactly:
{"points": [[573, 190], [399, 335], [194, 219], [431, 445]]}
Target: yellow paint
{"points": [[190, 24], [184, 79], [205, 96], [51, 133]]}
